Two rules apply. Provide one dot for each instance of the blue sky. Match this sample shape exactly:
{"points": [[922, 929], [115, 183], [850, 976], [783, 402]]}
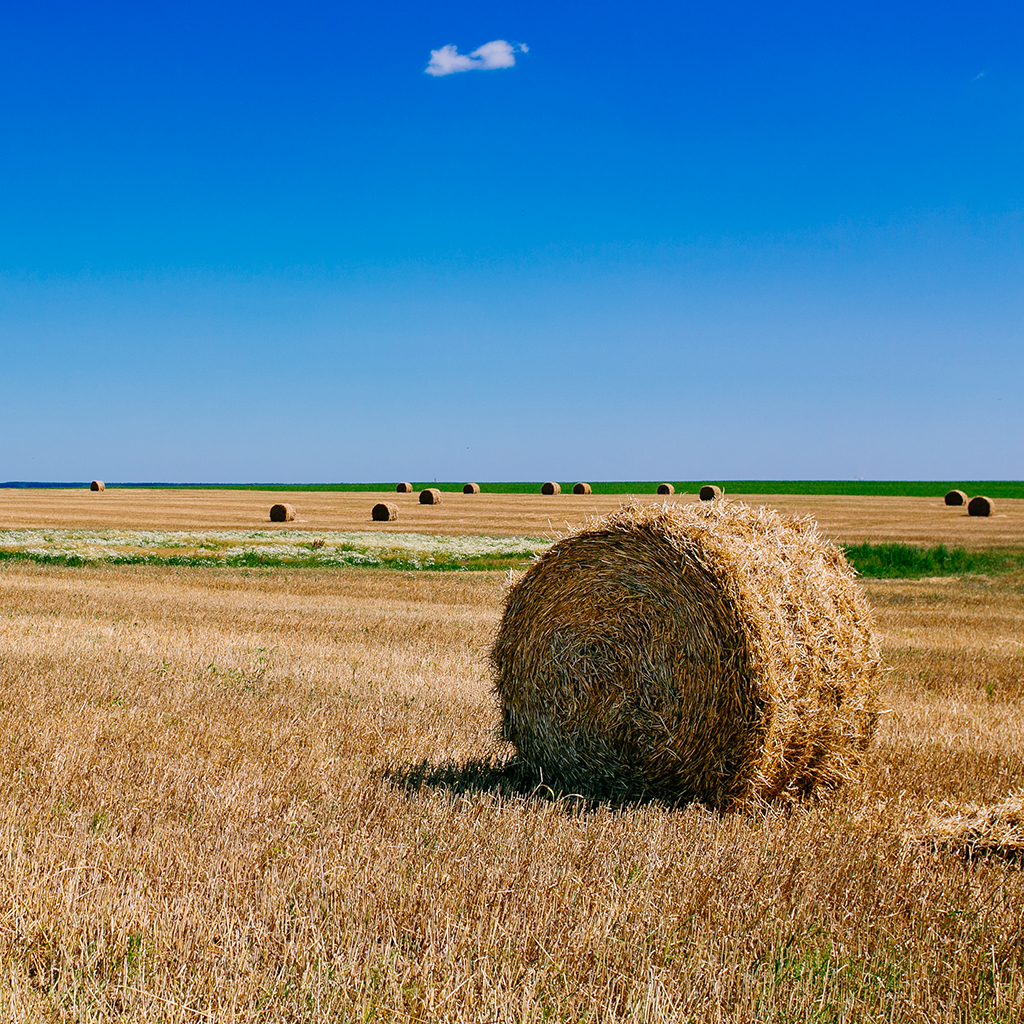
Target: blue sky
{"points": [[673, 241]]}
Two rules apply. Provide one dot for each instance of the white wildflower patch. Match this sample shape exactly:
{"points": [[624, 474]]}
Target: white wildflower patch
{"points": [[232, 547]]}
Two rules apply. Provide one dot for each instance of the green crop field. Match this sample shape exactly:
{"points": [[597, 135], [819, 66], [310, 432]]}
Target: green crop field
{"points": [[891, 488]]}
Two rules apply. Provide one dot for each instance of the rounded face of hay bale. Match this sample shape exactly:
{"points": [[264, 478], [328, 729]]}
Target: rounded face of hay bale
{"points": [[709, 492], [955, 498], [471, 489], [281, 513], [404, 488], [97, 485], [551, 488], [430, 496], [384, 512], [702, 652], [666, 489], [581, 489], [980, 506]]}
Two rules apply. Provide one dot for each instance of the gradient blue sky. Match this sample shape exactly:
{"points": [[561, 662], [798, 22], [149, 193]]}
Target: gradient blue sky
{"points": [[675, 241]]}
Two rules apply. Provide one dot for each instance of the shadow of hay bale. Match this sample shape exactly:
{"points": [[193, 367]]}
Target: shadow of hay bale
{"points": [[514, 778]]}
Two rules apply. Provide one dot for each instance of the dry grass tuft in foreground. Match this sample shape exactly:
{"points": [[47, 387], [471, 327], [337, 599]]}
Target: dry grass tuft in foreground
{"points": [[277, 796]]}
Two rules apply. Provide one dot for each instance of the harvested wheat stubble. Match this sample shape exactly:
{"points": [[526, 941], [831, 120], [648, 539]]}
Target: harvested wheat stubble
{"points": [[97, 485], [470, 488], [384, 512], [955, 498], [282, 513], [666, 489], [404, 488], [709, 492], [691, 652], [995, 830], [430, 496], [581, 488], [551, 487], [979, 505]]}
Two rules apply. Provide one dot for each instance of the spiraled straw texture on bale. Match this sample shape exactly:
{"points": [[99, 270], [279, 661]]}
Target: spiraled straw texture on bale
{"points": [[384, 512], [581, 488], [430, 496], [666, 489], [689, 652], [404, 488], [551, 487], [709, 492], [281, 513], [97, 485], [955, 498], [979, 505], [470, 488], [995, 830]]}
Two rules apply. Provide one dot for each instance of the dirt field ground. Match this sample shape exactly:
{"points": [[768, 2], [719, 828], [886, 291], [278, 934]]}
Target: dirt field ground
{"points": [[844, 519], [276, 795]]}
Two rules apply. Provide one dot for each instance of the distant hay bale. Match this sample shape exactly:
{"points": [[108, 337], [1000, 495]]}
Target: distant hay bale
{"points": [[470, 488], [709, 492], [384, 512], [97, 485], [956, 498], [979, 505], [551, 488], [995, 830], [281, 513], [694, 652], [581, 489], [404, 488], [666, 489], [430, 496]]}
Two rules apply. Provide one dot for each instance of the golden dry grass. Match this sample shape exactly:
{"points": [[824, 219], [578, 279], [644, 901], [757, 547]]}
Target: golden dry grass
{"points": [[843, 519], [235, 795]]}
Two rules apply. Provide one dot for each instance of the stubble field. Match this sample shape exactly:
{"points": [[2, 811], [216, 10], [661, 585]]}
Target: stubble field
{"points": [[277, 795]]}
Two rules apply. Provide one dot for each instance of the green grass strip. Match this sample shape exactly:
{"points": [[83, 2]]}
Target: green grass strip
{"points": [[867, 488], [907, 561]]}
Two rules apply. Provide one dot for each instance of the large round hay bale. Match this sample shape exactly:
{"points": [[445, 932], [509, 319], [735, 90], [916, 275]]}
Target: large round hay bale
{"points": [[581, 488], [470, 488], [695, 652], [384, 512], [666, 489], [979, 505], [97, 485], [404, 488], [956, 498], [551, 487], [430, 496], [281, 513], [709, 492]]}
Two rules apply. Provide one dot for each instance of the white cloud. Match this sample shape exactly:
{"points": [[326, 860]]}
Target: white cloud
{"points": [[496, 54]]}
